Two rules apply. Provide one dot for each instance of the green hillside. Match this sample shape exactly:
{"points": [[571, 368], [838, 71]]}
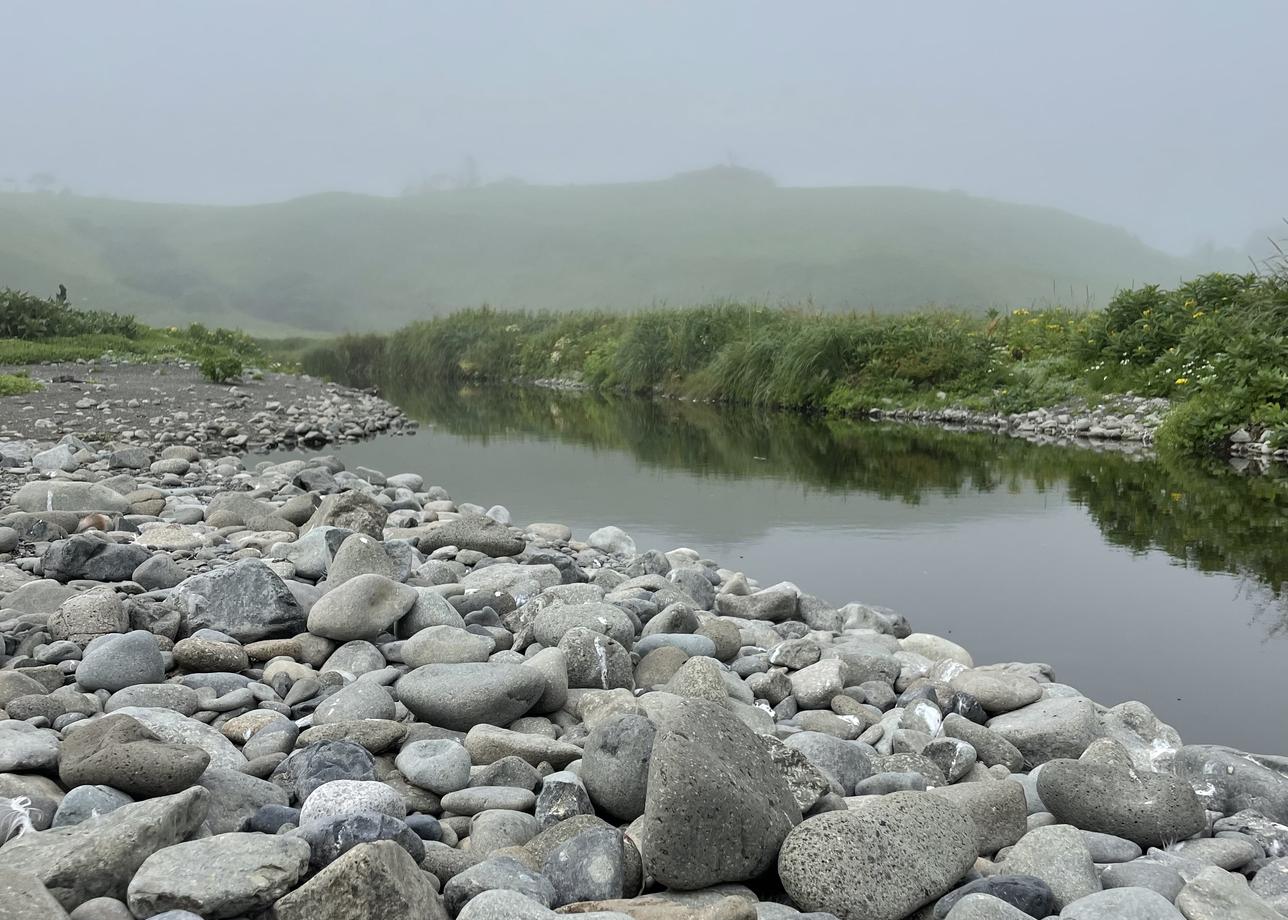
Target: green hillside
{"points": [[339, 261]]}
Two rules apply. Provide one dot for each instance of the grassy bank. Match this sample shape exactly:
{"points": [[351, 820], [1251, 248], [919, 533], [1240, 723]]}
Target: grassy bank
{"points": [[36, 330], [1217, 346]]}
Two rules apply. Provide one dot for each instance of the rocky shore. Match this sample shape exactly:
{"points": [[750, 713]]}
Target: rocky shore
{"points": [[172, 403], [275, 691]]}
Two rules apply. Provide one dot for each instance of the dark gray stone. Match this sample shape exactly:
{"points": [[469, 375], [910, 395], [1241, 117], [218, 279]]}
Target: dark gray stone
{"points": [[89, 557], [1026, 892], [717, 809], [245, 600], [587, 868], [615, 764]]}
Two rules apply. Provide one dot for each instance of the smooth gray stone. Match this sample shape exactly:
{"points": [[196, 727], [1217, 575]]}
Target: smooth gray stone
{"points": [[1122, 904], [115, 662], [440, 766], [1144, 873], [1049, 729], [1058, 855], [460, 696], [502, 872], [84, 802], [1106, 848], [997, 807]]}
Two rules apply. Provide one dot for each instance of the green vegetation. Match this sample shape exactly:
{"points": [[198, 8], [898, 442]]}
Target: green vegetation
{"points": [[330, 263], [1217, 346], [36, 330], [17, 385]]}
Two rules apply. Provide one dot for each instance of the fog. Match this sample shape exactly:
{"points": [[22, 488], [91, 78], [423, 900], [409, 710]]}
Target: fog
{"points": [[1161, 116]]}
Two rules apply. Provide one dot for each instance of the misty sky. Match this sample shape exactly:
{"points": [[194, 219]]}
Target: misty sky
{"points": [[1164, 116]]}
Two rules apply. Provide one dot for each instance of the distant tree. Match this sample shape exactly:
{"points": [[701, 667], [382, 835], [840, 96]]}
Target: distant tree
{"points": [[469, 175]]}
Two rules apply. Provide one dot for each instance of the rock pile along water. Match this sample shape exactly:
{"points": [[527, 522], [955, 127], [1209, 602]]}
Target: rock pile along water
{"points": [[293, 690]]}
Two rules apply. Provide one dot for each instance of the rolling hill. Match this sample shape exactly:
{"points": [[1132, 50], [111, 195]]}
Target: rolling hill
{"points": [[335, 262]]}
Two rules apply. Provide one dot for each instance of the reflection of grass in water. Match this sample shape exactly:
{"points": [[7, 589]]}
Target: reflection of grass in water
{"points": [[1205, 517]]}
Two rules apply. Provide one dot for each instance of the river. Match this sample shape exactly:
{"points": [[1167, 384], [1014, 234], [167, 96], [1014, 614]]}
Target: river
{"points": [[1133, 578]]}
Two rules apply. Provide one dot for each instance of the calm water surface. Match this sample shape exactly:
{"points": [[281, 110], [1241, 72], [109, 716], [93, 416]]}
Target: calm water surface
{"points": [[1135, 579]]}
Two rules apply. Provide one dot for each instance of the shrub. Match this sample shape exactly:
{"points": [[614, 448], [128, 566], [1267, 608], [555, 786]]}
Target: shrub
{"points": [[17, 385], [222, 368]]}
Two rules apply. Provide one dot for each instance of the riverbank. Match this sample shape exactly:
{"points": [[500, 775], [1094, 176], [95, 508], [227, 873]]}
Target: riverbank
{"points": [[112, 400], [356, 693], [1213, 349]]}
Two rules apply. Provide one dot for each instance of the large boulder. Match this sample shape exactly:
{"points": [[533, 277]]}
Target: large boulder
{"points": [[97, 858], [716, 809], [460, 696], [881, 861], [1149, 809], [245, 600]]}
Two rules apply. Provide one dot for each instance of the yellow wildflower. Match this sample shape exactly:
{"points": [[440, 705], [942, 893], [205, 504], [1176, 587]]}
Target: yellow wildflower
{"points": [[1181, 381], [1020, 312]]}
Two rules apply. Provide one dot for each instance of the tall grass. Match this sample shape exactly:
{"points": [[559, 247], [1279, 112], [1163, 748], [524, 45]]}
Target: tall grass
{"points": [[1217, 346]]}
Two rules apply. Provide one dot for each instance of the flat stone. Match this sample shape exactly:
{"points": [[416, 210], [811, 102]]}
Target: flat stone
{"points": [[474, 531], [1122, 904], [114, 662], [615, 764], [97, 858], [220, 876], [488, 744], [343, 797], [1026, 893]]}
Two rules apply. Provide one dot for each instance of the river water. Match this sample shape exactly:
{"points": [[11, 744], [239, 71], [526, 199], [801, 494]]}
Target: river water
{"points": [[1133, 578]]}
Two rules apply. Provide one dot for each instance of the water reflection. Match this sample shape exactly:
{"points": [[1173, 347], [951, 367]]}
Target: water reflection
{"points": [[1207, 518]]}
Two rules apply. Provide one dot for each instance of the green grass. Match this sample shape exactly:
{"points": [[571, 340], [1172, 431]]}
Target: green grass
{"points": [[17, 385], [341, 262], [34, 330], [1217, 346]]}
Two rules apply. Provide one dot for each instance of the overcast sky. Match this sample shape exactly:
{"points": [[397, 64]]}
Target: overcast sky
{"points": [[1164, 116]]}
